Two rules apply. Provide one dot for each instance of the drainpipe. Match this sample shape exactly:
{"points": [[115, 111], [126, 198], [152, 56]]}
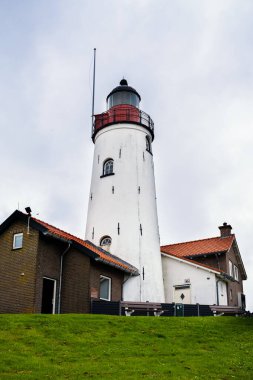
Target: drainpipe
{"points": [[60, 280], [28, 224]]}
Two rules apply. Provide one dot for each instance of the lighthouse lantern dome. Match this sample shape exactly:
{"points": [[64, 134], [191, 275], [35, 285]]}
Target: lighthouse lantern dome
{"points": [[123, 94]]}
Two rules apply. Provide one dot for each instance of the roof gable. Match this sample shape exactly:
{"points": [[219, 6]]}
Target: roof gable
{"points": [[192, 262], [96, 253]]}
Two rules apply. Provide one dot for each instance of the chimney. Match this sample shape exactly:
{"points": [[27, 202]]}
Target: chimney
{"points": [[225, 230]]}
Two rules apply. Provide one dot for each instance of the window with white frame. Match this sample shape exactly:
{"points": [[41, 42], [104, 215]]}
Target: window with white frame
{"points": [[17, 241], [108, 167], [231, 272], [236, 273], [105, 288]]}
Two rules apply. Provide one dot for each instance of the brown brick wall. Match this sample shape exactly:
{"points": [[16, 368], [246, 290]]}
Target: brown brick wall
{"points": [[48, 265], [22, 272], [117, 278], [75, 286], [17, 270], [235, 286], [75, 275], [214, 261]]}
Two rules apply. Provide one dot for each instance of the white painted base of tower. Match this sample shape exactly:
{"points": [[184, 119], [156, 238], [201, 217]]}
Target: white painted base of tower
{"points": [[134, 289]]}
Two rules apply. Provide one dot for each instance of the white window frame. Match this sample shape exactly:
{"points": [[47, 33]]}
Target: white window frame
{"points": [[236, 273], [109, 290], [14, 244], [231, 272]]}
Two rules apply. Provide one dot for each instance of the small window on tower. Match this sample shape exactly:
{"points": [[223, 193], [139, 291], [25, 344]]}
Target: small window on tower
{"points": [[148, 144], [108, 167], [106, 241]]}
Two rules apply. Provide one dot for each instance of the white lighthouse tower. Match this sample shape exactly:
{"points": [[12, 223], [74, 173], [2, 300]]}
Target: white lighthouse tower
{"points": [[122, 213]]}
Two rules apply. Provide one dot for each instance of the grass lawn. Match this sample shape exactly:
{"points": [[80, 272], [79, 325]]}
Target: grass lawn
{"points": [[106, 347]]}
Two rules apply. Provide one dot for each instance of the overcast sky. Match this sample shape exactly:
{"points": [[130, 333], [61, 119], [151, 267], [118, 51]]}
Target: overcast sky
{"points": [[192, 63]]}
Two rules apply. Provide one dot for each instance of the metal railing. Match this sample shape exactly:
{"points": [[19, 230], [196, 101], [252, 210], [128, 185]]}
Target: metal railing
{"points": [[122, 114]]}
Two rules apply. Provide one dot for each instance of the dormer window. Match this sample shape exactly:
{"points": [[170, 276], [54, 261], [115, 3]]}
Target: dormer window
{"points": [[148, 144], [108, 167], [106, 241]]}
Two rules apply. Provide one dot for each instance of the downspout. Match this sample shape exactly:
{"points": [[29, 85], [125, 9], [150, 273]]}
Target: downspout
{"points": [[60, 279], [217, 292], [28, 224]]}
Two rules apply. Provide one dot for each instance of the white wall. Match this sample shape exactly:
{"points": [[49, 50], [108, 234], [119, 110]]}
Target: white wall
{"points": [[133, 167], [202, 281]]}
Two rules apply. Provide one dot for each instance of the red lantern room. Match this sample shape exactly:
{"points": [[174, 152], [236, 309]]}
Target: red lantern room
{"points": [[122, 107]]}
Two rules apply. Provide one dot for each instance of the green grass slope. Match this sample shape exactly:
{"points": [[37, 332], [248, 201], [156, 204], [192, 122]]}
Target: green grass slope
{"points": [[105, 347]]}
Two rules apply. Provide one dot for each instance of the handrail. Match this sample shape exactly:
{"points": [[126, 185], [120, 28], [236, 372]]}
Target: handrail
{"points": [[122, 114]]}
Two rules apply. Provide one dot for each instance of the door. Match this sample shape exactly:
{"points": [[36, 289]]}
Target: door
{"points": [[222, 293], [48, 296], [182, 294]]}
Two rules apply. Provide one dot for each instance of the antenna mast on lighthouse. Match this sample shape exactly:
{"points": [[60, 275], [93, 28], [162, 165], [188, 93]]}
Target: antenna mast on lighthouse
{"points": [[93, 90]]}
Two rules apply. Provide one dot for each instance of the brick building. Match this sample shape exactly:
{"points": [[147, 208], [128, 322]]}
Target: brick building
{"points": [[44, 269], [220, 256]]}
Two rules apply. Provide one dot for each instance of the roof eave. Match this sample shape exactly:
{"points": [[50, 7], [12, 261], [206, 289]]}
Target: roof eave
{"points": [[206, 254], [55, 236], [225, 277], [133, 272], [240, 262]]}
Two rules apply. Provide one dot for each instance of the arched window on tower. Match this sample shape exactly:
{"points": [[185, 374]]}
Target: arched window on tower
{"points": [[108, 167], [105, 242], [148, 144]]}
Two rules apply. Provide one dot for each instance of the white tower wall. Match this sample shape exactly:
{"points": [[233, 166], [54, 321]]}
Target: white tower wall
{"points": [[127, 200]]}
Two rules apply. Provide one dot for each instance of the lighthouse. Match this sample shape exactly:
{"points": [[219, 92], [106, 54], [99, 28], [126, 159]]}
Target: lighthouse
{"points": [[122, 211]]}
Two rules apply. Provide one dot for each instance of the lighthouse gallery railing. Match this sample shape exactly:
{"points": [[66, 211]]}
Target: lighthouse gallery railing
{"points": [[121, 114]]}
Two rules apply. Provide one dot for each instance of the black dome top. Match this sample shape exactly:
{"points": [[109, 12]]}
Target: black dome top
{"points": [[123, 82], [123, 87]]}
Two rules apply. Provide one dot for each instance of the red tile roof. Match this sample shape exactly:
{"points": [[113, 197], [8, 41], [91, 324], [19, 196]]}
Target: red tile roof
{"points": [[102, 254], [198, 247]]}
